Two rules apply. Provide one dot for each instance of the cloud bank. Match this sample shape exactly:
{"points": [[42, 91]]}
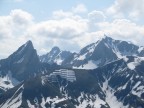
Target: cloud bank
{"points": [[69, 29]]}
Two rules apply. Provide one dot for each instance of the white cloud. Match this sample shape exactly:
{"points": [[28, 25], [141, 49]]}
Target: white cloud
{"points": [[12, 30], [124, 8], [21, 17], [88, 38], [14, 23], [80, 8], [19, 27], [96, 16], [59, 14], [66, 29], [5, 26], [124, 29]]}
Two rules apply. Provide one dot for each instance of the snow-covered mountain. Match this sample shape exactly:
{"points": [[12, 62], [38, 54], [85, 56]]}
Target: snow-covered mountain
{"points": [[18, 66], [55, 56], [97, 54], [103, 51], [23, 64], [110, 74], [113, 85]]}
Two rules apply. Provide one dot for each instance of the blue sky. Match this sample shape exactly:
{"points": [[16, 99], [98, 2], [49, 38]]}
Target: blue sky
{"points": [[42, 9], [69, 24]]}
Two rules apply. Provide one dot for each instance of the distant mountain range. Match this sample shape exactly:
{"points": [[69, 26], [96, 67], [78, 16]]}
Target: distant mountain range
{"points": [[106, 74], [96, 54]]}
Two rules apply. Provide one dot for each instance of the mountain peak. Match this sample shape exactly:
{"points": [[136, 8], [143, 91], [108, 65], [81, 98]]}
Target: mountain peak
{"points": [[55, 49], [23, 61], [106, 38], [29, 44]]}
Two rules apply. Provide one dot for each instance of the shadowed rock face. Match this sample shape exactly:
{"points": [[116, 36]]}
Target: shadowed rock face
{"points": [[23, 63]]}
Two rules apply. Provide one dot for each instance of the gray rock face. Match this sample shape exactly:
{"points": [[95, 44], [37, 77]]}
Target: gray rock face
{"points": [[23, 63]]}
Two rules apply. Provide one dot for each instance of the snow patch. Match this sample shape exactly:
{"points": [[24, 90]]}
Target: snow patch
{"points": [[8, 82], [15, 101], [137, 84], [131, 65], [30, 105], [82, 57], [110, 97], [140, 49], [90, 65], [97, 103], [58, 61], [137, 61], [51, 101], [125, 58], [138, 89], [118, 54]]}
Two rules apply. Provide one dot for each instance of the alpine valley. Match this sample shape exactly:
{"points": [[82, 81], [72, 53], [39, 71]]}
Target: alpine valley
{"points": [[106, 74]]}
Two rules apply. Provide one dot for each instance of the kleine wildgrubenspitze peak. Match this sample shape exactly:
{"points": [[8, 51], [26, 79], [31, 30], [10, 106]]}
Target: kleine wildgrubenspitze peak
{"points": [[106, 74]]}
